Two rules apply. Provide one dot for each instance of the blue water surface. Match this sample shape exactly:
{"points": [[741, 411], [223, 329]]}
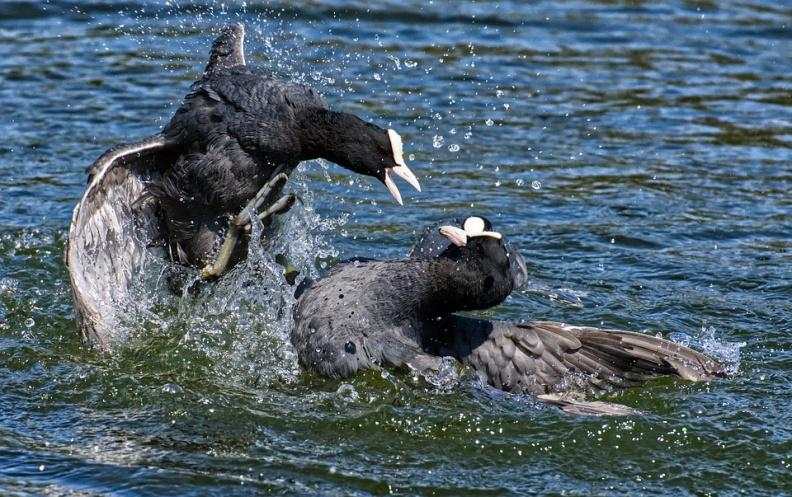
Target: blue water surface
{"points": [[638, 153]]}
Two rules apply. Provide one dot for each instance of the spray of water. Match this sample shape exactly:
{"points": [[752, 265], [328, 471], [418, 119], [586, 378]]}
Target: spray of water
{"points": [[241, 323], [707, 341]]}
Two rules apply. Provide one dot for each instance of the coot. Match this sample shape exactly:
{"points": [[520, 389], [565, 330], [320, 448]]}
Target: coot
{"points": [[189, 192], [238, 129], [370, 314]]}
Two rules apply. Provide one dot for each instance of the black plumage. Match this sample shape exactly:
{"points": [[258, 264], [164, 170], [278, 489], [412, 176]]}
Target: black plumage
{"points": [[194, 184], [401, 313], [236, 129]]}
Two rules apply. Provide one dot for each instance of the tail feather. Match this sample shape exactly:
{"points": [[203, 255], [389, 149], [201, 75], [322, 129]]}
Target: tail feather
{"points": [[646, 354], [228, 49], [577, 405]]}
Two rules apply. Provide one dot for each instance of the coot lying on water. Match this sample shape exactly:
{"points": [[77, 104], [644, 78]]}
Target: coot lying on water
{"points": [[369, 314], [224, 155]]}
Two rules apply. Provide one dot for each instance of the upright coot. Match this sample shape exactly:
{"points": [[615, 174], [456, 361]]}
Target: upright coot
{"points": [[190, 191], [370, 314], [238, 129]]}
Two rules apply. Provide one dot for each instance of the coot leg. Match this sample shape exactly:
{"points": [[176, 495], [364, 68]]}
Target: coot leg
{"points": [[280, 206], [263, 197], [242, 222]]}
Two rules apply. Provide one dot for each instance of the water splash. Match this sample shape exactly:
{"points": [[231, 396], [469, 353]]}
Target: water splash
{"points": [[446, 377], [242, 322], [566, 296], [707, 341]]}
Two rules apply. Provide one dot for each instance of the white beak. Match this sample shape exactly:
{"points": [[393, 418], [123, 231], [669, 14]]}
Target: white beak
{"points": [[457, 236], [400, 169], [474, 226]]}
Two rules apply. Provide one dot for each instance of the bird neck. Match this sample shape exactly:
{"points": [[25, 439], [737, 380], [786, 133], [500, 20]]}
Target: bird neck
{"points": [[442, 286], [318, 131], [341, 138]]}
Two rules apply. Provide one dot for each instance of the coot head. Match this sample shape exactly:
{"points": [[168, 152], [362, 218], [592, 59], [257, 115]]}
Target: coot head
{"points": [[486, 270], [303, 126], [366, 148], [433, 244]]}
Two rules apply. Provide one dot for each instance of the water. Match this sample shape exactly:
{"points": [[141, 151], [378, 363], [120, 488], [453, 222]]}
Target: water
{"points": [[637, 153]]}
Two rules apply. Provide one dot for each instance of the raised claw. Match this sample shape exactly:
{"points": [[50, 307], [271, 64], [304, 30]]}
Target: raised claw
{"points": [[280, 206], [265, 194], [242, 222]]}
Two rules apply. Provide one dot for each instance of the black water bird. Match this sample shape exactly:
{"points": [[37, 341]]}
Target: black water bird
{"points": [[238, 129], [372, 314], [196, 185]]}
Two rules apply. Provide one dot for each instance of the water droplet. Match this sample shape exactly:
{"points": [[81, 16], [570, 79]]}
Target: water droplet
{"points": [[519, 182], [30, 322], [489, 122], [42, 467], [410, 63], [536, 184], [453, 147], [172, 388], [437, 141], [377, 76], [411, 157], [347, 392]]}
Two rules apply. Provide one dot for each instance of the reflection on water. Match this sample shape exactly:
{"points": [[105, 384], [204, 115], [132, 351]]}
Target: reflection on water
{"points": [[637, 152]]}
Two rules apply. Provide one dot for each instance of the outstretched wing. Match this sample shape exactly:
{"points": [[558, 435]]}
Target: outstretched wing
{"points": [[543, 357], [111, 230], [431, 243]]}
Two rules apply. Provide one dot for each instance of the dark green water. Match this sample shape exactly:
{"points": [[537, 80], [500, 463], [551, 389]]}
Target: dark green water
{"points": [[639, 154]]}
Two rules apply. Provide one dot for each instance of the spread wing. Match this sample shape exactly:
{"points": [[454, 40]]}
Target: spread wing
{"points": [[546, 358], [111, 230], [431, 243], [227, 79]]}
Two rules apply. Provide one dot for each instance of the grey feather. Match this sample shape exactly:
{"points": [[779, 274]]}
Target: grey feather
{"points": [[111, 232], [228, 49], [543, 357]]}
